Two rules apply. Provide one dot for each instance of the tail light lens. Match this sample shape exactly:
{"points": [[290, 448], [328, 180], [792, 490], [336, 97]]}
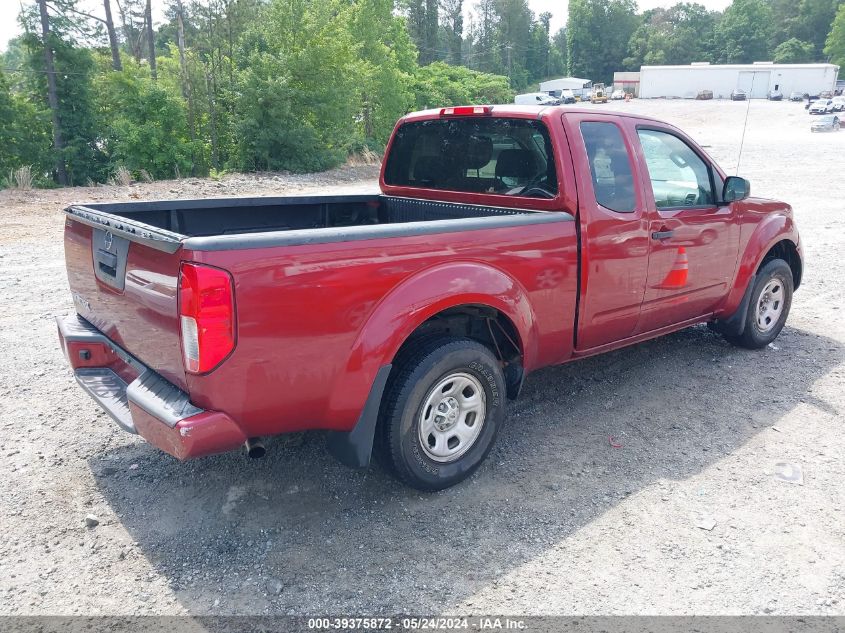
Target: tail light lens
{"points": [[206, 316]]}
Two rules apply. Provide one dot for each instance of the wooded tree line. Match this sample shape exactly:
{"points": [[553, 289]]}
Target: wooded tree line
{"points": [[300, 84]]}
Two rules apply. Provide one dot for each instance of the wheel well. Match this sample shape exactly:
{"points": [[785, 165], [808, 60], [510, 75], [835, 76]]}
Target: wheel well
{"points": [[786, 251], [488, 326]]}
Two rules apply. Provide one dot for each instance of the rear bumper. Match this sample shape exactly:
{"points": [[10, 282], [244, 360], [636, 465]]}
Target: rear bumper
{"points": [[141, 401]]}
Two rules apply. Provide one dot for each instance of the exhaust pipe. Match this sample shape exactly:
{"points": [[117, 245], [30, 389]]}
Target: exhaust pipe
{"points": [[255, 448]]}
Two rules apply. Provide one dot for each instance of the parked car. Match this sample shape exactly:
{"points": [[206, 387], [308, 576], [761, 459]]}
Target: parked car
{"points": [[567, 96], [838, 104], [738, 95], [536, 98], [822, 106], [774, 95], [617, 95], [407, 319], [796, 96], [826, 94], [704, 95], [826, 123]]}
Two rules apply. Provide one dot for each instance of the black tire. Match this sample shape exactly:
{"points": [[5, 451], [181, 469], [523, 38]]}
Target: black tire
{"points": [[416, 372], [755, 337]]}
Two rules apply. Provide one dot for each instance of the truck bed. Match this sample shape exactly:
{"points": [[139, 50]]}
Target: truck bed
{"points": [[232, 223]]}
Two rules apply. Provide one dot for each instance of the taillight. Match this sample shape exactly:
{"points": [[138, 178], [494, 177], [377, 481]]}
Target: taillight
{"points": [[206, 316]]}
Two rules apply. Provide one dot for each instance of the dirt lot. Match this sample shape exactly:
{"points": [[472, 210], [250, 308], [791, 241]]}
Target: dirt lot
{"points": [[556, 521]]}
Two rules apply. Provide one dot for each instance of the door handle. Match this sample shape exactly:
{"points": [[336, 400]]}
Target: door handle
{"points": [[662, 235]]}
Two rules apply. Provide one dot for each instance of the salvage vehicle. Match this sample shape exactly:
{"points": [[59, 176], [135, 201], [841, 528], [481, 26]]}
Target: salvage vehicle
{"points": [[503, 239], [826, 123], [822, 106], [796, 96], [738, 95], [536, 98]]}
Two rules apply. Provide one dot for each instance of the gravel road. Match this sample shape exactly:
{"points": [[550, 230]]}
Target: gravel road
{"points": [[559, 520]]}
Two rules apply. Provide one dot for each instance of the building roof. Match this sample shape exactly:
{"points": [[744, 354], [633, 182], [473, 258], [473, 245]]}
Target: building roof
{"points": [[565, 80], [755, 66]]}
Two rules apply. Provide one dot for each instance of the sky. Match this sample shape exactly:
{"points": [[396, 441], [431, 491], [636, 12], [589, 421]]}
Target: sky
{"points": [[9, 9]]}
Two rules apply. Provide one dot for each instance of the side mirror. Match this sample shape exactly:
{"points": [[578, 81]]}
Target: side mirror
{"points": [[736, 188]]}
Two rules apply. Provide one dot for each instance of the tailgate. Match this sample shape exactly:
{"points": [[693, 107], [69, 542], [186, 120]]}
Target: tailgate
{"points": [[128, 290]]}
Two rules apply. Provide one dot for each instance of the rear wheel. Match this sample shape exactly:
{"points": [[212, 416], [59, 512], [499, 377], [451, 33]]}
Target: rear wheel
{"points": [[771, 299], [443, 407]]}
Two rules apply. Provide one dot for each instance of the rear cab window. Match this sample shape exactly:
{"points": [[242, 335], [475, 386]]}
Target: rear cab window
{"points": [[610, 166], [495, 155]]}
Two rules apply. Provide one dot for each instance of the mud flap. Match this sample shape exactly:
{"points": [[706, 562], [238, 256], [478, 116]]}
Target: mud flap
{"points": [[734, 325], [354, 448]]}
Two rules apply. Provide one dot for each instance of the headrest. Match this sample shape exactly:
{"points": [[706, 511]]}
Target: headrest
{"points": [[428, 170], [478, 152], [515, 163]]}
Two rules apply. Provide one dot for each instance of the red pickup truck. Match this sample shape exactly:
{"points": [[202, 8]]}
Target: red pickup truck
{"points": [[504, 239]]}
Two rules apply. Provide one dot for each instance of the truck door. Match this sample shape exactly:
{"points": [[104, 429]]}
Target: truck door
{"points": [[613, 229], [694, 238]]}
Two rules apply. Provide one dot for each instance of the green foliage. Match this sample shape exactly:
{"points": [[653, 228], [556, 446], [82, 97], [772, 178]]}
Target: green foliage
{"points": [[143, 125], [680, 34], [794, 51], [439, 84], [835, 44], [386, 65], [744, 33], [74, 67], [24, 134], [597, 36], [295, 109]]}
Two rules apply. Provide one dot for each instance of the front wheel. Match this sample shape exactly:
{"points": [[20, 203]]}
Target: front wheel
{"points": [[771, 298], [443, 407]]}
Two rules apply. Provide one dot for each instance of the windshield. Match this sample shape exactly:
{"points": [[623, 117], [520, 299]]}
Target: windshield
{"points": [[474, 154]]}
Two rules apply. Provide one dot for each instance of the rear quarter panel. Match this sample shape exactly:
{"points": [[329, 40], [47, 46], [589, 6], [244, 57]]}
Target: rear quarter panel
{"points": [[316, 322]]}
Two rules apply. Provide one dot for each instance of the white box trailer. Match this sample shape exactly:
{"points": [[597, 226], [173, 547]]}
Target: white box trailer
{"points": [[755, 79]]}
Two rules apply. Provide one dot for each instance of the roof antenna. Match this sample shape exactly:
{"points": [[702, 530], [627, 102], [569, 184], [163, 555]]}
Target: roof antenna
{"points": [[745, 123]]}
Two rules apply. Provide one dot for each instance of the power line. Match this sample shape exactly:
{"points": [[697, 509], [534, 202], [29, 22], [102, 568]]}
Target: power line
{"points": [[36, 71]]}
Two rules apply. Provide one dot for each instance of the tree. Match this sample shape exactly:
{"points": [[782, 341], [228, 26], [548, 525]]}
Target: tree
{"points": [[681, 34], [294, 108], [835, 43], [113, 43], [453, 27], [557, 54], [143, 126], [387, 63], [814, 21], [598, 33], [24, 134], [151, 42], [744, 33], [794, 51], [422, 19], [52, 92], [440, 84]]}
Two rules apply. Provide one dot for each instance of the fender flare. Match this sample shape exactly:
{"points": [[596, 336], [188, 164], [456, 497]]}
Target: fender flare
{"points": [[357, 392], [773, 229]]}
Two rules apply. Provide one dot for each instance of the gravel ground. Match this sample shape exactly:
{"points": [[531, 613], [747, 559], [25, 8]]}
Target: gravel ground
{"points": [[558, 520]]}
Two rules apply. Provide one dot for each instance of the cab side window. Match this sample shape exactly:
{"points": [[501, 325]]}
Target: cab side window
{"points": [[610, 166], [679, 177]]}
